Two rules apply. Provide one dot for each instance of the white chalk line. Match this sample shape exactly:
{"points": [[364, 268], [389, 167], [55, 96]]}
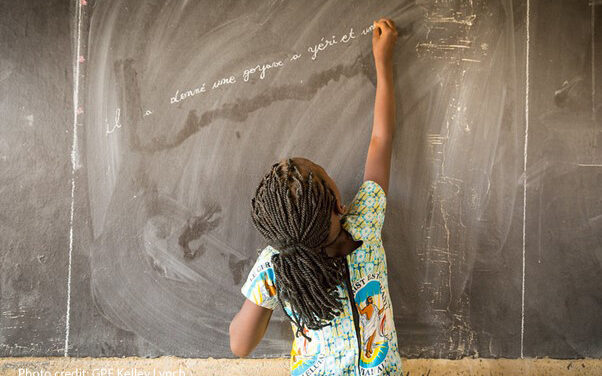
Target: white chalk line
{"points": [[74, 166], [522, 322], [593, 24]]}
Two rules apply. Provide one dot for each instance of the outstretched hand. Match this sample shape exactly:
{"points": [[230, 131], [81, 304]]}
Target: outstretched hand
{"points": [[384, 36]]}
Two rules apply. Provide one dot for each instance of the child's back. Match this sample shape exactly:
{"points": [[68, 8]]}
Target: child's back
{"points": [[363, 335]]}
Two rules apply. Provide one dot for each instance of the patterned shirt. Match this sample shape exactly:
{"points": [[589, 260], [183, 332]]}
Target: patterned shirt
{"points": [[334, 349]]}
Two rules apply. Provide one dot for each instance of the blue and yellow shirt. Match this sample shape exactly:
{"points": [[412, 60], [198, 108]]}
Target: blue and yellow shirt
{"points": [[335, 349]]}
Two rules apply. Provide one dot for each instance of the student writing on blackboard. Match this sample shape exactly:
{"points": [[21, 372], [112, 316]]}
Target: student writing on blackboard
{"points": [[325, 264]]}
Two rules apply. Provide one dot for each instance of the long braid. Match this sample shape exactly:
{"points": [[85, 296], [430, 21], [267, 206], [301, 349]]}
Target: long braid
{"points": [[292, 213]]}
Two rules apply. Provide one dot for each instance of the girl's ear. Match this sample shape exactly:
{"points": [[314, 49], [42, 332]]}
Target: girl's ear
{"points": [[341, 209]]}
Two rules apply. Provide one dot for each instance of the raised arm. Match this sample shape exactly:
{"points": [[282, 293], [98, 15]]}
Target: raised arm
{"points": [[378, 161]]}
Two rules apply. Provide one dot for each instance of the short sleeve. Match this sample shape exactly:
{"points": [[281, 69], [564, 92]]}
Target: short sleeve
{"points": [[368, 207], [260, 286]]}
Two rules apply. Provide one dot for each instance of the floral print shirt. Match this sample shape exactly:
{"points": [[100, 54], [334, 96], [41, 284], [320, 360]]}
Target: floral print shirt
{"points": [[340, 349]]}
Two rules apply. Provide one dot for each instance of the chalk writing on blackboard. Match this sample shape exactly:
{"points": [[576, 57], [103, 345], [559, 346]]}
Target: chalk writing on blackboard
{"points": [[224, 81], [263, 69], [187, 93], [324, 44], [111, 129]]}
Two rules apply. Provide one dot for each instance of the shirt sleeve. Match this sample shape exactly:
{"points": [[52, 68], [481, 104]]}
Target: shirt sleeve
{"points": [[260, 286], [368, 208]]}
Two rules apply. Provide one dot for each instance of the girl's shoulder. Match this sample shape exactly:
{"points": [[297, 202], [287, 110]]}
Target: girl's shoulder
{"points": [[267, 251], [366, 212], [265, 255], [260, 285], [370, 195]]}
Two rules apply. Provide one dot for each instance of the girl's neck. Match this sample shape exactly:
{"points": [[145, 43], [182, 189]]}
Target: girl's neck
{"points": [[344, 244]]}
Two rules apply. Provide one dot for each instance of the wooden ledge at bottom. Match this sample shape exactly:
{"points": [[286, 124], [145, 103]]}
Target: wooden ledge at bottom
{"points": [[173, 366]]}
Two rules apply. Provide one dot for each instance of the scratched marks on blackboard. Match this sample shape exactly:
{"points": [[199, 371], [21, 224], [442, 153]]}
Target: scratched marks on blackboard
{"points": [[462, 141], [449, 36]]}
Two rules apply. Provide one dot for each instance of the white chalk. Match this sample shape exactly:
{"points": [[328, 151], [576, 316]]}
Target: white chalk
{"points": [[75, 164], [593, 3], [522, 321]]}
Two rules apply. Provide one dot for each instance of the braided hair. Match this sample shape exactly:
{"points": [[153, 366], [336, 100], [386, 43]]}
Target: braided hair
{"points": [[293, 213]]}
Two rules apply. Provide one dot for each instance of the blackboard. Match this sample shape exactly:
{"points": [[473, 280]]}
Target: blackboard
{"points": [[134, 134]]}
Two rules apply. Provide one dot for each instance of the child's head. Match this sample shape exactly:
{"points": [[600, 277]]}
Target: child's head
{"points": [[296, 208]]}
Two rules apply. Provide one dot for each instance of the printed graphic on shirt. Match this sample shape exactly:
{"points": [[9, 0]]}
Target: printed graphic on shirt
{"points": [[304, 346], [372, 305], [334, 353], [303, 349], [260, 287], [306, 365]]}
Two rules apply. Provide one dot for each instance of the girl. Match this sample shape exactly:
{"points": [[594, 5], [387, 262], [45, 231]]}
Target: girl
{"points": [[325, 265]]}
